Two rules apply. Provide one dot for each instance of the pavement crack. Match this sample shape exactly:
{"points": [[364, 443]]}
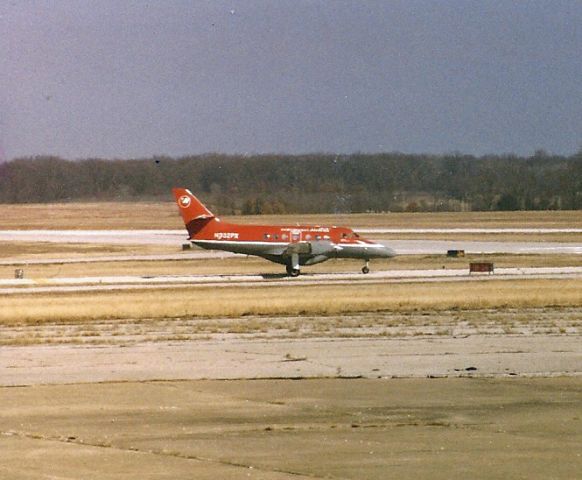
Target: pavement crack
{"points": [[74, 440]]}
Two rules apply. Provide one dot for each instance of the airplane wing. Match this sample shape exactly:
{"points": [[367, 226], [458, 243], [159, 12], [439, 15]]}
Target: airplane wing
{"points": [[271, 248], [245, 248]]}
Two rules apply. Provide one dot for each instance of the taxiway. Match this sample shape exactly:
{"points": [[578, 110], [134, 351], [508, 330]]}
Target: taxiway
{"points": [[130, 282], [401, 247]]}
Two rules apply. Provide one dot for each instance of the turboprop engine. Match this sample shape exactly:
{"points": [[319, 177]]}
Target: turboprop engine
{"points": [[317, 251], [323, 247]]}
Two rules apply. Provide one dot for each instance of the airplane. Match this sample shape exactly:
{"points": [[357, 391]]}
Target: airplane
{"points": [[289, 245]]}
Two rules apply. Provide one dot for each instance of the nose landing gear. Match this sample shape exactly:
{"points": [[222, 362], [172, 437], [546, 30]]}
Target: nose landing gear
{"points": [[366, 268]]}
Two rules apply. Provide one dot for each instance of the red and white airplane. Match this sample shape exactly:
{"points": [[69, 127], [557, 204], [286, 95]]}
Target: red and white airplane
{"points": [[292, 246]]}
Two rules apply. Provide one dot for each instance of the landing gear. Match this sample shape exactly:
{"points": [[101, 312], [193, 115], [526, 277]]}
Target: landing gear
{"points": [[366, 268], [293, 266], [292, 272]]}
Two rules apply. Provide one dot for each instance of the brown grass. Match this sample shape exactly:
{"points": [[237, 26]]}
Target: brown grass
{"points": [[31, 250], [96, 215], [289, 300], [162, 215], [536, 321], [541, 219]]}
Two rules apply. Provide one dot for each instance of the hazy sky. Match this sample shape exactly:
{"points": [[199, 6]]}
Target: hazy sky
{"points": [[126, 78]]}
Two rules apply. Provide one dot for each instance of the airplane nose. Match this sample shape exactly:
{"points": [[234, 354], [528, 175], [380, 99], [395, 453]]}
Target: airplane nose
{"points": [[386, 251]]}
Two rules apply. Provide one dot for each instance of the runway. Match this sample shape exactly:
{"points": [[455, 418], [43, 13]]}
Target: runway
{"points": [[431, 247], [401, 247], [133, 282], [110, 237]]}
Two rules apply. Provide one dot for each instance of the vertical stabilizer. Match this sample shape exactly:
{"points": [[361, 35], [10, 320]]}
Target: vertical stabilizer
{"points": [[193, 212]]}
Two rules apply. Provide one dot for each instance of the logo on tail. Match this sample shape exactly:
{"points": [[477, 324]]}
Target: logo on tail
{"points": [[195, 215], [184, 201]]}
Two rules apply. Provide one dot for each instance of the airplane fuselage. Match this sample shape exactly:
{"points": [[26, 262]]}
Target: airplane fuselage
{"points": [[290, 245], [313, 243]]}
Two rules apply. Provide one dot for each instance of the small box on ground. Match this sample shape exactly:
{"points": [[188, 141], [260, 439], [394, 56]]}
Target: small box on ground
{"points": [[481, 267], [19, 273], [455, 253], [186, 246]]}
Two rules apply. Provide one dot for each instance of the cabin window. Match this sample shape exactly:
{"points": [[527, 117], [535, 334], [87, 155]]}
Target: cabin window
{"points": [[308, 237], [326, 237], [276, 237], [318, 237], [266, 236], [284, 236], [344, 235]]}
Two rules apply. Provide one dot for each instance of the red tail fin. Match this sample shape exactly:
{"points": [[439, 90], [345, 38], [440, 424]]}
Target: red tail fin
{"points": [[194, 213]]}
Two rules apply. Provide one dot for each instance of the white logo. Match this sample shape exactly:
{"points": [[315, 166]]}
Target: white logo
{"points": [[184, 201]]}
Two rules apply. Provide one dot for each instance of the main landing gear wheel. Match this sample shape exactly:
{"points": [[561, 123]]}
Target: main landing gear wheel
{"points": [[292, 272]]}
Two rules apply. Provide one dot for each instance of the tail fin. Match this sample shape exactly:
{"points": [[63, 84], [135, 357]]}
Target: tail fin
{"points": [[194, 213]]}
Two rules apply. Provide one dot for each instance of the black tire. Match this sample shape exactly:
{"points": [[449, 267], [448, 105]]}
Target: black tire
{"points": [[365, 270], [294, 272]]}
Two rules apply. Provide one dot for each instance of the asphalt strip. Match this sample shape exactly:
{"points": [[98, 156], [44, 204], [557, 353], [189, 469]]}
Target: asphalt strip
{"points": [[401, 247], [112, 283]]}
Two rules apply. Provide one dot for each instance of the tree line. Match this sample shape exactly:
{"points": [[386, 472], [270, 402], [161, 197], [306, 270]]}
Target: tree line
{"points": [[317, 183]]}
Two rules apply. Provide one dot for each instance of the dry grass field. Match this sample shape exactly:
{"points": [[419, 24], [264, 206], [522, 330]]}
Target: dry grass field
{"points": [[529, 219], [164, 215], [48, 250], [397, 325], [240, 301]]}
